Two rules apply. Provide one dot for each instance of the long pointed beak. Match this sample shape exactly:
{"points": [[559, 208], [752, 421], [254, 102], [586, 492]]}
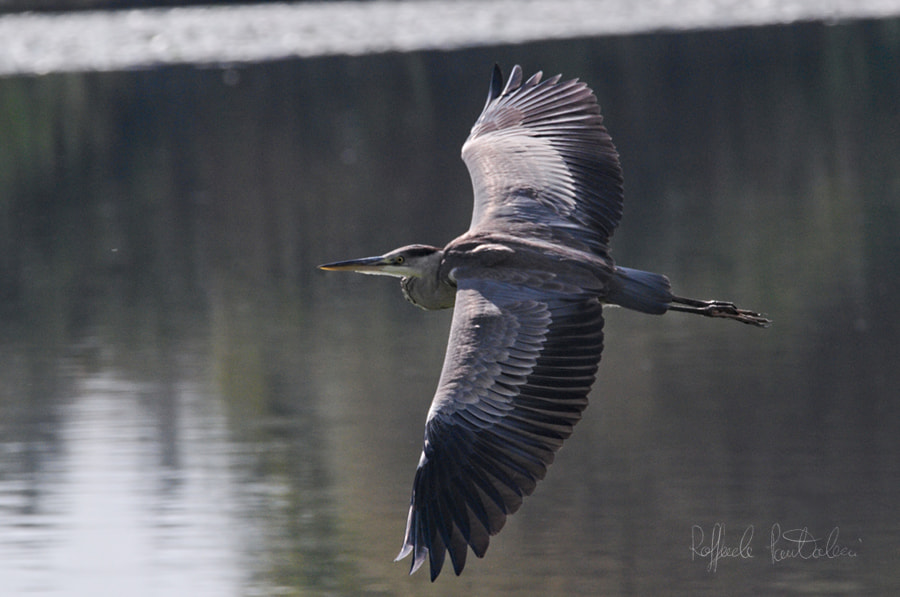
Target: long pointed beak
{"points": [[366, 264]]}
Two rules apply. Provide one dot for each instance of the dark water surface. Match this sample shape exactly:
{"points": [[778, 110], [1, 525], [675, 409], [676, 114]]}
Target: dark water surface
{"points": [[188, 407]]}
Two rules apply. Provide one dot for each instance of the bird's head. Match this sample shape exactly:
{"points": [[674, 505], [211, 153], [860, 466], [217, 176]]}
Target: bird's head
{"points": [[412, 261]]}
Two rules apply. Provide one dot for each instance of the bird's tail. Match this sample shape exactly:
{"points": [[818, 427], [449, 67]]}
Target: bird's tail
{"points": [[646, 292]]}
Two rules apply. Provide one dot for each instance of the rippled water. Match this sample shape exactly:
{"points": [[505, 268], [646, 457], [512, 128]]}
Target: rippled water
{"points": [[190, 408], [236, 34], [119, 508]]}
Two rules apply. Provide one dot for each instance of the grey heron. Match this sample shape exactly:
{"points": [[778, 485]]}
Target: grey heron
{"points": [[527, 283]]}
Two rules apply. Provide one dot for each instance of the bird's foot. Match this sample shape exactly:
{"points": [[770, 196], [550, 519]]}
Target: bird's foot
{"points": [[720, 309]]}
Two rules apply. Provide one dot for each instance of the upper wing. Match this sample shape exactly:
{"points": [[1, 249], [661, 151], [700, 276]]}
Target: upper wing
{"points": [[520, 362], [542, 164]]}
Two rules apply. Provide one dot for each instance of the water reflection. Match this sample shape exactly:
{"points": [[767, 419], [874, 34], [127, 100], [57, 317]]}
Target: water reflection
{"points": [[188, 407]]}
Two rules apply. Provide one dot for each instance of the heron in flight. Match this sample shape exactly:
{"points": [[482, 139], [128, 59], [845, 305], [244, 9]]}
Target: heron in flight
{"points": [[527, 283]]}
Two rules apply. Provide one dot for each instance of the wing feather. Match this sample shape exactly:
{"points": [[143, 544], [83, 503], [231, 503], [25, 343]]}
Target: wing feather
{"points": [[519, 365], [542, 164]]}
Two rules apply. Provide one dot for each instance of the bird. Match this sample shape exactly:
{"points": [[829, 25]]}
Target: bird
{"points": [[527, 283]]}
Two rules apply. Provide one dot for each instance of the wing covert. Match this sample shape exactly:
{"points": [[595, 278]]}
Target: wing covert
{"points": [[520, 362], [542, 164]]}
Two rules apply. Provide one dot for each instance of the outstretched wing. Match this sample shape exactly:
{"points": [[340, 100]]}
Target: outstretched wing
{"points": [[542, 164], [520, 362]]}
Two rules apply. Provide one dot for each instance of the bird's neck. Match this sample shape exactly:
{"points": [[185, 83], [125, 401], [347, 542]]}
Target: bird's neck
{"points": [[430, 291]]}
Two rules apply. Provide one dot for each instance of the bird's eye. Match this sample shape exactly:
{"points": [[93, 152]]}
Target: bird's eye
{"points": [[399, 259]]}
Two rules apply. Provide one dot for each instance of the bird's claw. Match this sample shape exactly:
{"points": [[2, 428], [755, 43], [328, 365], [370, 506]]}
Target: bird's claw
{"points": [[731, 311]]}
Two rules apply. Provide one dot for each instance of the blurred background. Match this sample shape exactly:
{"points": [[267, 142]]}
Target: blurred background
{"points": [[189, 407]]}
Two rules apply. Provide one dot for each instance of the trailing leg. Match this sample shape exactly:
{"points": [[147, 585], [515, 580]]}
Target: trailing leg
{"points": [[718, 309]]}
